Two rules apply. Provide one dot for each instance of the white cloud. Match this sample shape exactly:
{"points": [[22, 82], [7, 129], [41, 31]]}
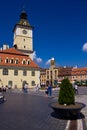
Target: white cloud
{"points": [[34, 55], [48, 62], [84, 48], [37, 59]]}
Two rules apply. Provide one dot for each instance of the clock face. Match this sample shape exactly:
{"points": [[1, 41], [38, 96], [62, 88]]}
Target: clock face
{"points": [[24, 32]]}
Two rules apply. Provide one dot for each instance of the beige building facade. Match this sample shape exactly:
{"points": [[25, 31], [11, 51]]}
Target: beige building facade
{"points": [[55, 74], [16, 69], [49, 75], [16, 64]]}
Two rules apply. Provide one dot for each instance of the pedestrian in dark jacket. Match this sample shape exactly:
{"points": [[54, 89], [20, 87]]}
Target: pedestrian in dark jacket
{"points": [[50, 90]]}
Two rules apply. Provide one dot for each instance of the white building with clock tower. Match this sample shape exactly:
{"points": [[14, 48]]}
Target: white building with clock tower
{"points": [[17, 67], [23, 35]]}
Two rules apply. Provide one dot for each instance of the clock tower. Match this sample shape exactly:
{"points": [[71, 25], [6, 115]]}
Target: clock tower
{"points": [[23, 35]]}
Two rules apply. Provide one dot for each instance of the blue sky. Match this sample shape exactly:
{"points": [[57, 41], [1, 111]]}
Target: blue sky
{"points": [[60, 29]]}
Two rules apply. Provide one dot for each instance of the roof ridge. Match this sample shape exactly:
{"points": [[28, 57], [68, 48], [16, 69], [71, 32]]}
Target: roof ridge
{"points": [[13, 51]]}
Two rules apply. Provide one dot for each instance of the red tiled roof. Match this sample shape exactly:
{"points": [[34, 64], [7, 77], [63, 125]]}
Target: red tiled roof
{"points": [[79, 71], [12, 53]]}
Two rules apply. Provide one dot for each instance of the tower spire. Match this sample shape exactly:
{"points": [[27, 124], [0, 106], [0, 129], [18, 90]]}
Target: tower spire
{"points": [[23, 14]]}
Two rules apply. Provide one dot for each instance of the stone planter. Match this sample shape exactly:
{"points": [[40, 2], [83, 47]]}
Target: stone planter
{"points": [[67, 111]]}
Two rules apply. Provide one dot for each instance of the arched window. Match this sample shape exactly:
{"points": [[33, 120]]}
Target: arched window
{"points": [[16, 61], [7, 60], [12, 61], [55, 71], [28, 62], [24, 61]]}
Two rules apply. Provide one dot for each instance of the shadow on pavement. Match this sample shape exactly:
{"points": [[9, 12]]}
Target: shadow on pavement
{"points": [[80, 116]]}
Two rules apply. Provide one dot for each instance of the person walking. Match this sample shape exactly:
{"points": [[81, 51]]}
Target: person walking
{"points": [[50, 90], [46, 91], [76, 88]]}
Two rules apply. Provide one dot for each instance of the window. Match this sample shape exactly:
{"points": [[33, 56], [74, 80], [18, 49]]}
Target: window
{"points": [[51, 72], [47, 77], [24, 62], [24, 23], [47, 72], [15, 72], [10, 83], [33, 83], [24, 72], [12, 61], [7, 60], [28, 62], [16, 61], [33, 73], [0, 59], [55, 71], [5, 71]]}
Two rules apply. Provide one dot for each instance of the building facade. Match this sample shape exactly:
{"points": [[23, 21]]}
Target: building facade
{"points": [[17, 69], [43, 77], [16, 64], [49, 75], [64, 72], [55, 74], [79, 74]]}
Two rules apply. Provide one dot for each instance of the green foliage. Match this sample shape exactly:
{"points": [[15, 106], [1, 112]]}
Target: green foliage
{"points": [[66, 93]]}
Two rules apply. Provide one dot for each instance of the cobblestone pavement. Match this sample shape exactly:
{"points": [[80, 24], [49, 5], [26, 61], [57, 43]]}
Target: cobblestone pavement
{"points": [[83, 99], [28, 112], [31, 111]]}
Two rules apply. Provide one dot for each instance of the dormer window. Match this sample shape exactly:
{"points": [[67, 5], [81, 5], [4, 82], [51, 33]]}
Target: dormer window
{"points": [[16, 61], [7, 60], [0, 59], [24, 62], [12, 61], [28, 62]]}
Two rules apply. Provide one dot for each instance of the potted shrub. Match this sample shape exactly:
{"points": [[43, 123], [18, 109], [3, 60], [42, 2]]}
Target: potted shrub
{"points": [[66, 105]]}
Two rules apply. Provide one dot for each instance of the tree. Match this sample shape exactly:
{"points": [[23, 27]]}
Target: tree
{"points": [[66, 93]]}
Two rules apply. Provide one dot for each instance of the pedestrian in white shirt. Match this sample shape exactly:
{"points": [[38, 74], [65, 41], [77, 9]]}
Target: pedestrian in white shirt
{"points": [[76, 89]]}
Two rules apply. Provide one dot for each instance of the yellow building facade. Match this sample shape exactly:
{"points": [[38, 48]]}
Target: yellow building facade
{"points": [[49, 75]]}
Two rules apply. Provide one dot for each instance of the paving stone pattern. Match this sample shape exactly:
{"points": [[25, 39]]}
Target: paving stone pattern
{"points": [[31, 111], [83, 99], [28, 112]]}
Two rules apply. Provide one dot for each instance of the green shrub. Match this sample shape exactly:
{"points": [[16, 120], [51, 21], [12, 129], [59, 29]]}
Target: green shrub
{"points": [[66, 93]]}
